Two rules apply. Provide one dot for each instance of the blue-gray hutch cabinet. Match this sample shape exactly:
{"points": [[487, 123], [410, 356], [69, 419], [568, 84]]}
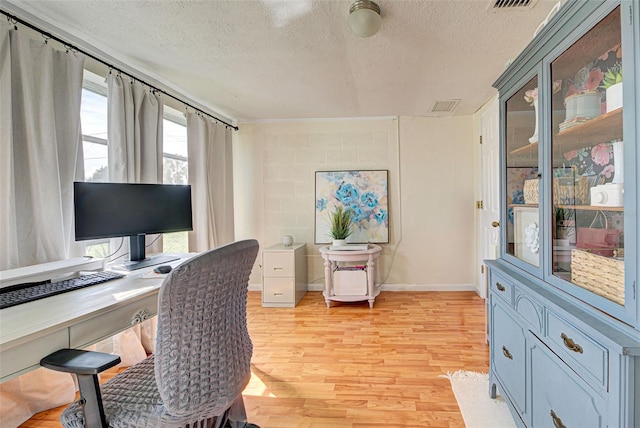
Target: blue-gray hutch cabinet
{"points": [[564, 310]]}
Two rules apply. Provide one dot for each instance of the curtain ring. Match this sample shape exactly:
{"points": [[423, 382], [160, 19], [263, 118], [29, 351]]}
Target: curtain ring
{"points": [[13, 20]]}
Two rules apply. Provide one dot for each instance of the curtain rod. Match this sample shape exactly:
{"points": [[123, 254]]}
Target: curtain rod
{"points": [[14, 19]]}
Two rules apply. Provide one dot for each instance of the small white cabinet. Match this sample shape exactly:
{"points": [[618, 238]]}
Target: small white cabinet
{"points": [[350, 282], [284, 275]]}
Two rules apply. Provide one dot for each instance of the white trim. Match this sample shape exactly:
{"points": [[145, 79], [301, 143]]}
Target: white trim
{"points": [[318, 119], [396, 287]]}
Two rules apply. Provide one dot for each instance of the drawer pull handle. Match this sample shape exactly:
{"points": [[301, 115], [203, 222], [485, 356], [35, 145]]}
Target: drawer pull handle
{"points": [[506, 353], [569, 343], [500, 286], [557, 422], [277, 268], [141, 315], [277, 294]]}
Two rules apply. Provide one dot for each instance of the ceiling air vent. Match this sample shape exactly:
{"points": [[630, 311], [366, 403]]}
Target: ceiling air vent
{"points": [[442, 107], [502, 4]]}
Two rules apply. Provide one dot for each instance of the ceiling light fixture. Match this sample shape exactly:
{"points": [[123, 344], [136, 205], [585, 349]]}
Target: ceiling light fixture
{"points": [[364, 18]]}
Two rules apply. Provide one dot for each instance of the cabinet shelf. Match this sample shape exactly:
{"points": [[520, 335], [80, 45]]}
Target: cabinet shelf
{"points": [[572, 207], [590, 208], [606, 127]]}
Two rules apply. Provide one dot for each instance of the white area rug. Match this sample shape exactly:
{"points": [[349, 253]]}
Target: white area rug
{"points": [[478, 409]]}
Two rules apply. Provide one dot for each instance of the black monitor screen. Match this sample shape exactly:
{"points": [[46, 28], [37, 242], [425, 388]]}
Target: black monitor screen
{"points": [[109, 210]]}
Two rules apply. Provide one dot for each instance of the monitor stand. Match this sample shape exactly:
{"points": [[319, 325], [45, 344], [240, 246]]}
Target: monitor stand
{"points": [[138, 259], [150, 261]]}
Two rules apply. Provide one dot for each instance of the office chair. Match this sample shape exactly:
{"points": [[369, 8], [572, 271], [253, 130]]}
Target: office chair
{"points": [[203, 352]]}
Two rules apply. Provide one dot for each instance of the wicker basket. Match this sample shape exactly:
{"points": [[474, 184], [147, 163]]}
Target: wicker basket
{"points": [[571, 192], [602, 275], [530, 191]]}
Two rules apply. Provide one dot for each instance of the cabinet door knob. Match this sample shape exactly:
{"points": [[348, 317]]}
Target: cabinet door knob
{"points": [[495, 223], [557, 422], [500, 286], [569, 343], [506, 353]]}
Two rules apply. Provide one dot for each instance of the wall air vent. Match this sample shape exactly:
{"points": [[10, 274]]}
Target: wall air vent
{"points": [[447, 106]]}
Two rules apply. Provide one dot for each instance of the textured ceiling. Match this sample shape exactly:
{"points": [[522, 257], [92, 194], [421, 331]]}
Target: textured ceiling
{"points": [[262, 60]]}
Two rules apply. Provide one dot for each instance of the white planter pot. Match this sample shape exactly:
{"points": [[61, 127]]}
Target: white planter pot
{"points": [[618, 159], [614, 97], [586, 105], [339, 242], [534, 137]]}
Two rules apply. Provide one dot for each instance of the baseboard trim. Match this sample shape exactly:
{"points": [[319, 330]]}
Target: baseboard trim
{"points": [[397, 287]]}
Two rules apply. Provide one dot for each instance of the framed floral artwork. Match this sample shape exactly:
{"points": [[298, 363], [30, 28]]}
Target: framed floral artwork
{"points": [[364, 193]]}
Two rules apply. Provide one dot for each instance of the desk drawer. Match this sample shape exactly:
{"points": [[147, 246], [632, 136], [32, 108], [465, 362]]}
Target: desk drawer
{"points": [[278, 264], [108, 323], [28, 355], [278, 290]]}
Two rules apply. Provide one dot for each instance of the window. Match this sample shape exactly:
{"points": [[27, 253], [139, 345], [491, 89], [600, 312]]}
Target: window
{"points": [[174, 169], [93, 117]]}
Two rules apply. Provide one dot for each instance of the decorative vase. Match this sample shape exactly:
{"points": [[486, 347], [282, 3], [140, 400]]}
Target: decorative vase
{"points": [[534, 137], [287, 240], [618, 162], [584, 106], [614, 97], [339, 242]]}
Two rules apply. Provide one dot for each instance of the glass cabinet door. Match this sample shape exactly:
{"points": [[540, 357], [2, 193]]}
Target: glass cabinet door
{"points": [[587, 149], [521, 176]]}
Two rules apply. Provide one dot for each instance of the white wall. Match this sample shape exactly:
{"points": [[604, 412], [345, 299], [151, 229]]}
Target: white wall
{"points": [[431, 201]]}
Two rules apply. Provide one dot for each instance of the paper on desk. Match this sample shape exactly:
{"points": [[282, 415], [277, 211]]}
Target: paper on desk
{"points": [[152, 275]]}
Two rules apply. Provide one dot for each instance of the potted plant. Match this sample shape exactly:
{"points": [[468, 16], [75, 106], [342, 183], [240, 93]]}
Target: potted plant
{"points": [[612, 84], [565, 224], [583, 100], [341, 221]]}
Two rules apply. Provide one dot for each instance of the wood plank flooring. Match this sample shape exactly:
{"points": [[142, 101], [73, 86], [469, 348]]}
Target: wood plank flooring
{"points": [[353, 367]]}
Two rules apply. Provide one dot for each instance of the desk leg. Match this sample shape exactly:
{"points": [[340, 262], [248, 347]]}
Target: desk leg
{"points": [[327, 282], [371, 273]]}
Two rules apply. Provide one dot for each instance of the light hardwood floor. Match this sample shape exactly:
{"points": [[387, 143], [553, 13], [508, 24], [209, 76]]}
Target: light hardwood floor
{"points": [[355, 367]]}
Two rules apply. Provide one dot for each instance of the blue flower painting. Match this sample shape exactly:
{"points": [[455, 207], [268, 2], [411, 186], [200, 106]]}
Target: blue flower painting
{"points": [[364, 193]]}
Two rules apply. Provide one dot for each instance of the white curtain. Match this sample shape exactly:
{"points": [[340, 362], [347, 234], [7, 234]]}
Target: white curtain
{"points": [[135, 137], [41, 149], [135, 150], [40, 157], [211, 179], [135, 132]]}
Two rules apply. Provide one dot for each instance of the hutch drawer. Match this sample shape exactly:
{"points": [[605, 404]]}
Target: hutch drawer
{"points": [[576, 346], [508, 354], [560, 397]]}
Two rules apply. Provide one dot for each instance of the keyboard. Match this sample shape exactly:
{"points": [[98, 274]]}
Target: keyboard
{"points": [[23, 293]]}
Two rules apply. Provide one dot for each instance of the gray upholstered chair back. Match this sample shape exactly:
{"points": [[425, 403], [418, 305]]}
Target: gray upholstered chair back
{"points": [[203, 348]]}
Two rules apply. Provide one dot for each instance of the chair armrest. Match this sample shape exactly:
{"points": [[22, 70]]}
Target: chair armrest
{"points": [[79, 361]]}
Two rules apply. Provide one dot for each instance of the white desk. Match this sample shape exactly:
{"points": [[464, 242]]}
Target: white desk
{"points": [[332, 257], [75, 319]]}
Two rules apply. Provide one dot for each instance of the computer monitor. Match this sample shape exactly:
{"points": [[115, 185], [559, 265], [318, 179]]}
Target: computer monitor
{"points": [[111, 210]]}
